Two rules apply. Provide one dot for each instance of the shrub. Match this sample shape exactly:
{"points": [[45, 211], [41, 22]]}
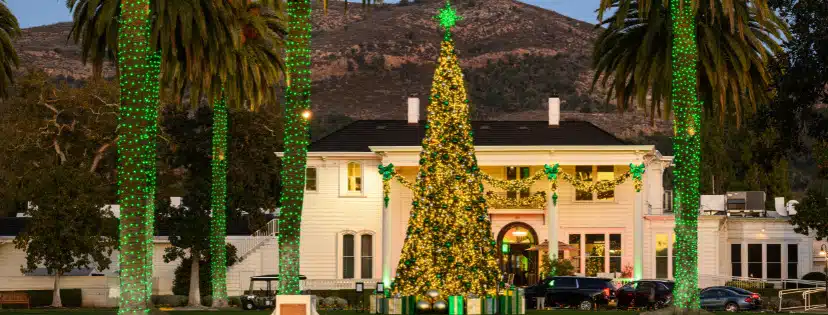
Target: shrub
{"points": [[207, 300], [68, 297], [234, 300], [814, 276], [748, 285], [169, 300]]}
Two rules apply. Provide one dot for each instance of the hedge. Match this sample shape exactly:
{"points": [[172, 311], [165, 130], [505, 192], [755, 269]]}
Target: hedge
{"points": [[68, 297]]}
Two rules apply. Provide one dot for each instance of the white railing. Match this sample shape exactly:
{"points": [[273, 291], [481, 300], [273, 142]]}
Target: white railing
{"points": [[249, 244], [756, 283], [805, 295], [339, 284]]}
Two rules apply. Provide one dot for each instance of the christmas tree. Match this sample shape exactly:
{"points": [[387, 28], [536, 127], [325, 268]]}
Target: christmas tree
{"points": [[448, 245]]}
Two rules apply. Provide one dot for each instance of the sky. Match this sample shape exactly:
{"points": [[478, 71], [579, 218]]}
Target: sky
{"points": [[43, 12]]}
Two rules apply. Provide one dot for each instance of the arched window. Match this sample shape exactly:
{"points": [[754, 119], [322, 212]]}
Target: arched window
{"points": [[367, 256], [354, 177], [348, 256]]}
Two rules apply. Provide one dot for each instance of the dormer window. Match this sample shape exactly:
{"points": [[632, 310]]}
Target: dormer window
{"points": [[517, 173]]}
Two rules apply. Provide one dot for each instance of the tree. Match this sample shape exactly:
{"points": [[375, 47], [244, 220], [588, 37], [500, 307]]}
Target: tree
{"points": [[812, 213], [449, 243], [9, 30], [58, 146], [687, 107], [560, 267]]}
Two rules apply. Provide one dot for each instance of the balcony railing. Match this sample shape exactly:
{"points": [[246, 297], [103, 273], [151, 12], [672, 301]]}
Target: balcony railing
{"points": [[516, 200]]}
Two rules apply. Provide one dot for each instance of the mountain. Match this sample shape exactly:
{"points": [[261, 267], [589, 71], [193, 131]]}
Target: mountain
{"points": [[366, 63]]}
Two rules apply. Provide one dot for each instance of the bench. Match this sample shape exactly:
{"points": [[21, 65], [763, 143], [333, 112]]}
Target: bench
{"points": [[14, 298]]}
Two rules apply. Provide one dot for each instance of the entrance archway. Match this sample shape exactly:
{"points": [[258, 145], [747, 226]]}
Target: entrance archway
{"points": [[517, 262]]}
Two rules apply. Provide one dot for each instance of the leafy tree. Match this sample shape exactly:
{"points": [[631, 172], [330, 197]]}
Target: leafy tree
{"points": [[812, 213], [183, 273], [561, 267], [58, 149], [9, 30]]}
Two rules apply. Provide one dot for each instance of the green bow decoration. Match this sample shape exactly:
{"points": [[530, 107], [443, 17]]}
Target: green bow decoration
{"points": [[386, 171], [637, 172], [551, 171]]}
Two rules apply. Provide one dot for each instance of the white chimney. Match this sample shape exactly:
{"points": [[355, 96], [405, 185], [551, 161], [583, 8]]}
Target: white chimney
{"points": [[413, 110], [554, 111]]}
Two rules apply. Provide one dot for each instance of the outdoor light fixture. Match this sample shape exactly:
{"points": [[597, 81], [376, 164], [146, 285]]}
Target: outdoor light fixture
{"points": [[306, 114], [519, 233], [380, 287]]}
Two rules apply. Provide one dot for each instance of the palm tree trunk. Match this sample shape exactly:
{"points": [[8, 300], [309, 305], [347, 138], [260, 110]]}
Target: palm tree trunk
{"points": [[150, 159], [297, 97], [218, 255], [133, 194], [194, 299], [56, 291], [687, 153]]}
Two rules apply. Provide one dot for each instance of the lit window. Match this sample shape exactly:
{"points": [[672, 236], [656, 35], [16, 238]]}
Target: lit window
{"points": [[595, 250], [310, 179], [517, 173], [662, 255], [585, 174], [606, 173], [615, 253], [354, 177]]}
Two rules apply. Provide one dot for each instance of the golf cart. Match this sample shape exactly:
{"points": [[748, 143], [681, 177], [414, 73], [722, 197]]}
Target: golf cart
{"points": [[262, 292]]}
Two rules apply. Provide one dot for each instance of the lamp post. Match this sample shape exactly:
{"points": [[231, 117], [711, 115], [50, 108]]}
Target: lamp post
{"points": [[823, 251]]}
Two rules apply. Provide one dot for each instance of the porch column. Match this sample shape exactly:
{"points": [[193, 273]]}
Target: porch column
{"points": [[552, 226], [638, 236], [386, 245]]}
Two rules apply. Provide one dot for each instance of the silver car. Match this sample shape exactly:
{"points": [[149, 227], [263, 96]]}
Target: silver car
{"points": [[728, 299]]}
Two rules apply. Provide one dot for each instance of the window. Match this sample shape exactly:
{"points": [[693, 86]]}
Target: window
{"points": [[517, 173], [310, 179], [662, 255], [774, 261], [595, 248], [585, 174], [673, 254], [575, 242], [754, 260], [615, 253], [588, 174], [606, 173], [367, 256], [793, 261], [354, 177], [348, 256], [736, 260], [563, 283]]}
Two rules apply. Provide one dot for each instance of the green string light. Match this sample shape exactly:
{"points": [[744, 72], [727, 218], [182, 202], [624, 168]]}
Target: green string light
{"points": [[687, 153], [218, 251], [137, 115], [150, 154], [297, 114]]}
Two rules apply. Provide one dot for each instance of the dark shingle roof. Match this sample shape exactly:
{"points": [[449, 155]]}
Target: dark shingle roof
{"points": [[359, 135]]}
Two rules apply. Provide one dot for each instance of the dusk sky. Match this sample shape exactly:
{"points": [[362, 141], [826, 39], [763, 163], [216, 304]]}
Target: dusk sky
{"points": [[42, 12]]}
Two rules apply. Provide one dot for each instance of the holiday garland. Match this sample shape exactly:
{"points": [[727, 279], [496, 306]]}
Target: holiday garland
{"points": [[552, 174]]}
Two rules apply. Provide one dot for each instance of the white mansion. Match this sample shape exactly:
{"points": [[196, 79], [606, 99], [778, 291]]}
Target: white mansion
{"points": [[348, 237]]}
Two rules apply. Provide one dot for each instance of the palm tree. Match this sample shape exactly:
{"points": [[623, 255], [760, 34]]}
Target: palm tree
{"points": [[686, 106], [9, 30], [179, 32]]}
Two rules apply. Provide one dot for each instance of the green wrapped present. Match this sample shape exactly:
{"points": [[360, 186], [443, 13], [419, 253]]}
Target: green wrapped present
{"points": [[409, 305], [455, 305], [512, 302], [393, 306], [489, 305]]}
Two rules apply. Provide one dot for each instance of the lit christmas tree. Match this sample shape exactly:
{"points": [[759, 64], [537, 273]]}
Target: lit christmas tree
{"points": [[449, 245]]}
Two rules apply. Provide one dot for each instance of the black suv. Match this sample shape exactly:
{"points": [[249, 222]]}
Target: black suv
{"points": [[581, 292], [650, 294]]}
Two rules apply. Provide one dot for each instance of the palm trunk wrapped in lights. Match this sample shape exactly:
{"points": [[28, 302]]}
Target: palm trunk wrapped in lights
{"points": [[133, 136], [150, 155], [218, 249], [687, 152], [297, 114]]}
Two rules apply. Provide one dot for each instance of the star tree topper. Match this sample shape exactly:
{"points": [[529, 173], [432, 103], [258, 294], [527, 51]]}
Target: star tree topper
{"points": [[448, 17]]}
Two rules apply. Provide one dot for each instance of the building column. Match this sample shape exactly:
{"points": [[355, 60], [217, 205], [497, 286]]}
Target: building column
{"points": [[552, 226], [386, 245], [638, 236]]}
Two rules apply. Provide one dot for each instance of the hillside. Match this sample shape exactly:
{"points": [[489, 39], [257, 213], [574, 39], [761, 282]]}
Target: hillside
{"points": [[514, 56]]}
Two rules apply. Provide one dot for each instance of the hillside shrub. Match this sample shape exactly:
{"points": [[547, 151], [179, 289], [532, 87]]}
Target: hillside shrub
{"points": [[169, 300]]}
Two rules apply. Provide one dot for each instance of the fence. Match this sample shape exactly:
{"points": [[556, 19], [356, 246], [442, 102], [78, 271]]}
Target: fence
{"points": [[756, 283], [96, 291]]}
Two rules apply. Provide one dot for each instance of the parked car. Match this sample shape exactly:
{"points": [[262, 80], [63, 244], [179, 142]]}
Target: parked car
{"points": [[582, 292], [654, 294], [262, 292], [729, 299]]}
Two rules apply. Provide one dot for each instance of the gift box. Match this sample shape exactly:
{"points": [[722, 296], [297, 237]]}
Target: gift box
{"points": [[455, 305], [489, 305], [474, 306], [512, 302], [376, 304], [393, 306], [409, 305]]}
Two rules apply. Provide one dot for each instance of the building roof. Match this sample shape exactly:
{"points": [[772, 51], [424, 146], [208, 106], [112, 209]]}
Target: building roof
{"points": [[360, 135]]}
